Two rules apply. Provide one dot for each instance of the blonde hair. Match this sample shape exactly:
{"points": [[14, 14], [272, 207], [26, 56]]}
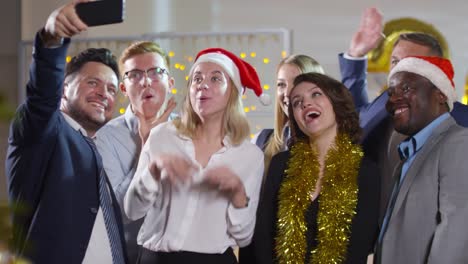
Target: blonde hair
{"points": [[275, 143], [235, 124], [143, 47]]}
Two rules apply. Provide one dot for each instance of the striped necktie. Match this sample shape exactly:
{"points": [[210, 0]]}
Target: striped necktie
{"points": [[105, 202]]}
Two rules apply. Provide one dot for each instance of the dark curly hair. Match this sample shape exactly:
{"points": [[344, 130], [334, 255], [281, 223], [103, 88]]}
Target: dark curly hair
{"points": [[346, 116], [101, 55]]}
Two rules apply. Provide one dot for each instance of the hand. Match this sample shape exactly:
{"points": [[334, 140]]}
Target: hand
{"points": [[368, 35], [227, 181], [64, 22], [172, 167], [145, 125]]}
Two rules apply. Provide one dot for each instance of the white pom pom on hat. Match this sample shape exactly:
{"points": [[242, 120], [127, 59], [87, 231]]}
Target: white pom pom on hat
{"points": [[242, 74]]}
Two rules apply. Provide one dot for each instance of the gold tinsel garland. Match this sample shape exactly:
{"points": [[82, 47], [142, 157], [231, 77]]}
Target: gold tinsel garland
{"points": [[337, 207]]}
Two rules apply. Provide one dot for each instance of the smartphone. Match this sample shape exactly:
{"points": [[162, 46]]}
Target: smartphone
{"points": [[101, 12]]}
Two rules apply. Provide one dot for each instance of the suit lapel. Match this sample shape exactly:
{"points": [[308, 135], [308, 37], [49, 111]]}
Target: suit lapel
{"points": [[423, 154]]}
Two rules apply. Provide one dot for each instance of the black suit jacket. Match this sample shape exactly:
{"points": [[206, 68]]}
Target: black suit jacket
{"points": [[364, 228], [51, 169]]}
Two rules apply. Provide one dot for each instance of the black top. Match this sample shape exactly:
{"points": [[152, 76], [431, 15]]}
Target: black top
{"points": [[364, 229]]}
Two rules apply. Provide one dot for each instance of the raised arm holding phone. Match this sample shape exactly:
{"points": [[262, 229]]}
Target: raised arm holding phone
{"points": [[53, 168]]}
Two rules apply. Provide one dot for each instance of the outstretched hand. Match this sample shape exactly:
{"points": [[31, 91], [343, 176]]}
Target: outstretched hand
{"points": [[227, 181], [369, 33], [145, 125], [64, 22]]}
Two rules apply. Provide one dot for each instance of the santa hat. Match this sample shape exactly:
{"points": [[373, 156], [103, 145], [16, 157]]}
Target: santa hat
{"points": [[437, 70], [242, 74]]}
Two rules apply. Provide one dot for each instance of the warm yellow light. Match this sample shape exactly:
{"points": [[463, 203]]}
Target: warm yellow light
{"points": [[246, 109], [122, 111], [266, 87], [266, 60], [186, 77], [284, 54], [253, 108], [465, 99], [253, 54], [182, 67], [171, 54], [68, 59], [244, 96], [252, 135], [243, 55], [177, 66], [190, 58], [174, 91]]}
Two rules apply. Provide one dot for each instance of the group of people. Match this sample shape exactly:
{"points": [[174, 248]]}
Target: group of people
{"points": [[336, 179]]}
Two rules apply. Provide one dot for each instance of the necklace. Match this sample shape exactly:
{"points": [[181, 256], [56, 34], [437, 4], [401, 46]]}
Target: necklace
{"points": [[338, 200]]}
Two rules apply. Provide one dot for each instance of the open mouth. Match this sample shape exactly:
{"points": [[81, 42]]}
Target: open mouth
{"points": [[98, 105], [203, 98], [400, 111], [147, 97], [312, 115]]}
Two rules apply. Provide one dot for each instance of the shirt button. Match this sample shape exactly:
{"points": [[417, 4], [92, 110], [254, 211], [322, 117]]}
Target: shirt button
{"points": [[93, 210]]}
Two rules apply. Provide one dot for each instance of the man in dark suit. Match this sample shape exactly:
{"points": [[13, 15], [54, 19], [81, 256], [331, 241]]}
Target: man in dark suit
{"points": [[380, 138], [53, 169]]}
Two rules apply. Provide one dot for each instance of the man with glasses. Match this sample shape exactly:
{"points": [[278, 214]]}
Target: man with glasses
{"points": [[146, 82]]}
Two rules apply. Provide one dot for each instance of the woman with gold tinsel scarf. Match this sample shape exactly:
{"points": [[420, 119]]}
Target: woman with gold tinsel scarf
{"points": [[321, 197]]}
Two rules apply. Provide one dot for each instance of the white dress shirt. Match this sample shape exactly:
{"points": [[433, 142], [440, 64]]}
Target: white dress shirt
{"points": [[99, 250], [193, 217]]}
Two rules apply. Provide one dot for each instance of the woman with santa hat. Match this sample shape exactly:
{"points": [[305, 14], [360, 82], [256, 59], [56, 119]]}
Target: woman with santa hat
{"points": [[198, 177]]}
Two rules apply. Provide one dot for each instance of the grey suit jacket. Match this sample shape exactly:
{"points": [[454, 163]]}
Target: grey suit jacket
{"points": [[428, 224]]}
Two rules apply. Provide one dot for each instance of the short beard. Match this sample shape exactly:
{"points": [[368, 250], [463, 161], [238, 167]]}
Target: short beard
{"points": [[88, 123]]}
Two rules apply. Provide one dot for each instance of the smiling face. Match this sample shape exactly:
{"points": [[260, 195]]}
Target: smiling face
{"points": [[413, 102], [313, 111], [210, 88], [148, 94], [88, 94], [284, 84]]}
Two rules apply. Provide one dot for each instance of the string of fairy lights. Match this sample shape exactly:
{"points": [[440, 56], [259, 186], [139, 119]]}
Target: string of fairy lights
{"points": [[183, 66], [263, 52]]}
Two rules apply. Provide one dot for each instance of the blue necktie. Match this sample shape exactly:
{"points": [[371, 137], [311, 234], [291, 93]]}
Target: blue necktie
{"points": [[105, 202]]}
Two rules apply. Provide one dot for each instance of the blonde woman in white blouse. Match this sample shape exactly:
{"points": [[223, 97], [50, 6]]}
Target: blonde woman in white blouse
{"points": [[198, 177]]}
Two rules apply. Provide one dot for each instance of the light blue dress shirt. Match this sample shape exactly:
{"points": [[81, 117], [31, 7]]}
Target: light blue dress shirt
{"points": [[408, 149]]}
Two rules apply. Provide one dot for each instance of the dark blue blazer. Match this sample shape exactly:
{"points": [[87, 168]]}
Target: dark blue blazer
{"points": [[372, 114], [52, 171]]}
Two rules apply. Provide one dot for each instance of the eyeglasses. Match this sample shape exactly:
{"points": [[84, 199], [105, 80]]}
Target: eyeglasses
{"points": [[155, 74]]}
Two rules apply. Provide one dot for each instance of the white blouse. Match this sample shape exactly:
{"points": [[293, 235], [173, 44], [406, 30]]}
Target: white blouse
{"points": [[193, 216]]}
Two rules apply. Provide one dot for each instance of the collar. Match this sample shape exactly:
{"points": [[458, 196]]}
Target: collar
{"points": [[226, 140], [131, 119], [410, 146], [75, 125]]}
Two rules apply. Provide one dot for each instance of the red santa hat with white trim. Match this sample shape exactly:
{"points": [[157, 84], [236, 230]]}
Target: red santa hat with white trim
{"points": [[438, 71], [242, 74]]}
